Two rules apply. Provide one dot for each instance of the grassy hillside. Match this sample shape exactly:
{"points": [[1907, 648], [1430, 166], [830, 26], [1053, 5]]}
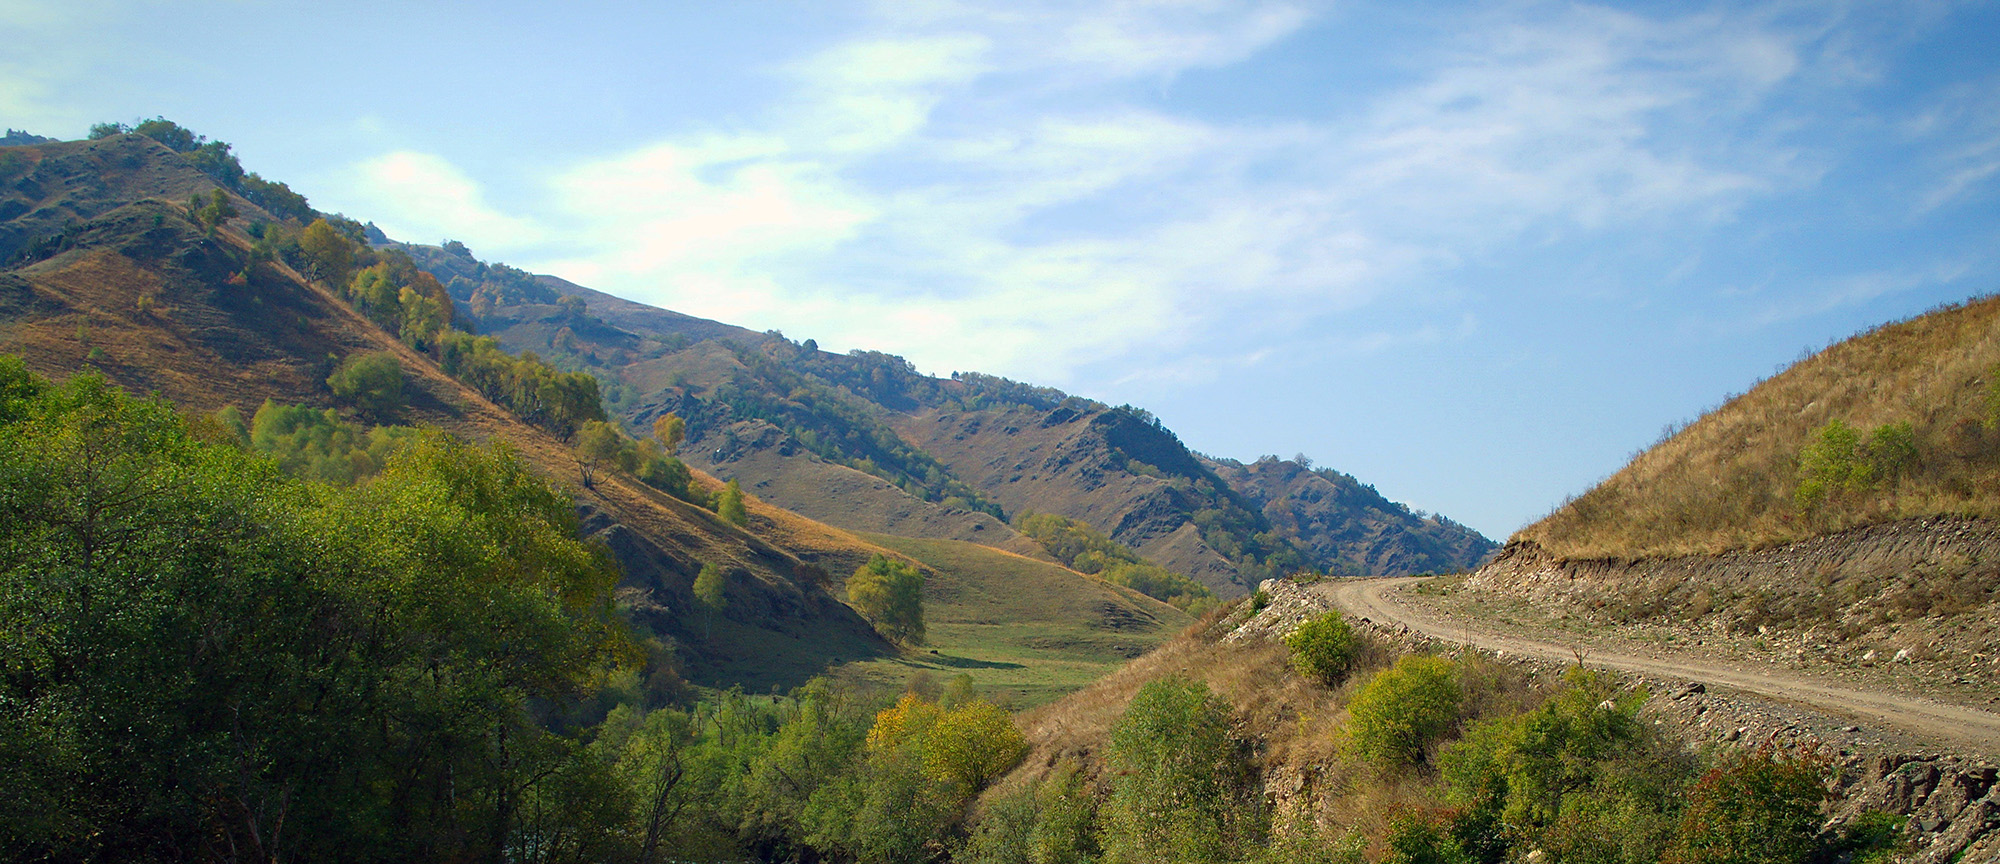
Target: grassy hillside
{"points": [[798, 424], [161, 305], [1027, 631], [1918, 401]]}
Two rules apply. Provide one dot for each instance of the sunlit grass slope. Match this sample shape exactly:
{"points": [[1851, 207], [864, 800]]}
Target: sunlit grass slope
{"points": [[1731, 479], [1027, 631]]}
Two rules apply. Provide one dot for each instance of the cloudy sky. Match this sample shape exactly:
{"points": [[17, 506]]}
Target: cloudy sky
{"points": [[1476, 253]]}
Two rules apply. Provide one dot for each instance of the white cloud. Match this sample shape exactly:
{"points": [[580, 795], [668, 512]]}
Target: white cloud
{"points": [[421, 197], [1051, 220]]}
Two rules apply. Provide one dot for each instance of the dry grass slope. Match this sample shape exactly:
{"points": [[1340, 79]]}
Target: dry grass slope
{"points": [[1727, 481]]}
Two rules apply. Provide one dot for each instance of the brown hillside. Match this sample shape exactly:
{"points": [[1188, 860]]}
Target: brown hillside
{"points": [[1066, 462], [203, 342], [1728, 480]]}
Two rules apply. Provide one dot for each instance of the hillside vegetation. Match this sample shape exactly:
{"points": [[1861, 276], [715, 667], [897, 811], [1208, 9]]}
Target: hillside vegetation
{"points": [[1895, 423], [916, 455]]}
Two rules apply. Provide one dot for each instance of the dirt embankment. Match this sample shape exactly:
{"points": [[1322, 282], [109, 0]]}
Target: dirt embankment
{"points": [[1884, 745], [1912, 605]]}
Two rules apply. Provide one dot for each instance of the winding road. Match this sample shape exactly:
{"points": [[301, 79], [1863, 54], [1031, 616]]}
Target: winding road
{"points": [[1971, 728]]}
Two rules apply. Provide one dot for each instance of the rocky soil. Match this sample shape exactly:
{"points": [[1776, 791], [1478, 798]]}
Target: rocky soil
{"points": [[1952, 800]]}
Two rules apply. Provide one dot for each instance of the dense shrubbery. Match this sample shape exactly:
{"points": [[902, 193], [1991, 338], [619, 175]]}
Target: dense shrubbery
{"points": [[1323, 648], [372, 382], [314, 444], [1087, 550], [221, 657]]}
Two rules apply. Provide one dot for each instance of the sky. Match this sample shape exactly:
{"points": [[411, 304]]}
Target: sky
{"points": [[1475, 254]]}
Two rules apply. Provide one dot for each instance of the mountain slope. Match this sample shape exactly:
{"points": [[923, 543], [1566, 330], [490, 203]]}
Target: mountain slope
{"points": [[204, 337], [112, 268], [865, 442], [1345, 525]]}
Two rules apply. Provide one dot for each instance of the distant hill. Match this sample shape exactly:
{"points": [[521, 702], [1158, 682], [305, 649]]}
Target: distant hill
{"points": [[1347, 525], [863, 441]]}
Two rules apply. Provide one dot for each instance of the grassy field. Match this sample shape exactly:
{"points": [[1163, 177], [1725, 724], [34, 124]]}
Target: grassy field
{"points": [[1027, 631]]}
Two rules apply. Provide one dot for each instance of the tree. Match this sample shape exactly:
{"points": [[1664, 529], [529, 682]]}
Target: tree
{"points": [[709, 591], [328, 253], [890, 594], [217, 211], [372, 382], [729, 504], [670, 430], [600, 446]]}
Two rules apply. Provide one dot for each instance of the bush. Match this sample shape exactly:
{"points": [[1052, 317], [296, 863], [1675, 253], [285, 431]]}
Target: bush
{"points": [[1404, 710], [1756, 807], [372, 382], [1179, 787], [1323, 648]]}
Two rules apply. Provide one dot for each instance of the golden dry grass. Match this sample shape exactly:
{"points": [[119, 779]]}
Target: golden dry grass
{"points": [[1727, 480]]}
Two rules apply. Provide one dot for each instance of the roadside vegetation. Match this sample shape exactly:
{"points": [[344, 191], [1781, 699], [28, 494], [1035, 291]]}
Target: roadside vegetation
{"points": [[1245, 752]]}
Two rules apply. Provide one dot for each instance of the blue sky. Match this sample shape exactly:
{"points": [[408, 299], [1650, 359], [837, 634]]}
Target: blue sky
{"points": [[1477, 254]]}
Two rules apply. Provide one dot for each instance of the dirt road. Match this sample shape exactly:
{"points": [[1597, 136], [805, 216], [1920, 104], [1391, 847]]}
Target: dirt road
{"points": [[1970, 728]]}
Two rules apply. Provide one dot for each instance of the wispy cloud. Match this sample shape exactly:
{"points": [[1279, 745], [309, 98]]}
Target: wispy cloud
{"points": [[981, 185]]}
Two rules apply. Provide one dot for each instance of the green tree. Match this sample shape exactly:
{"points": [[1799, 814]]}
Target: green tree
{"points": [[1404, 709], [669, 429], [729, 504], [216, 211], [890, 594], [329, 255], [1323, 648], [709, 591], [372, 382], [601, 447]]}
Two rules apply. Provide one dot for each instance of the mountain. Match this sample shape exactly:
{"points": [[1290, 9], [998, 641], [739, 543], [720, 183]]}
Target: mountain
{"points": [[1348, 525], [863, 441], [119, 259]]}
